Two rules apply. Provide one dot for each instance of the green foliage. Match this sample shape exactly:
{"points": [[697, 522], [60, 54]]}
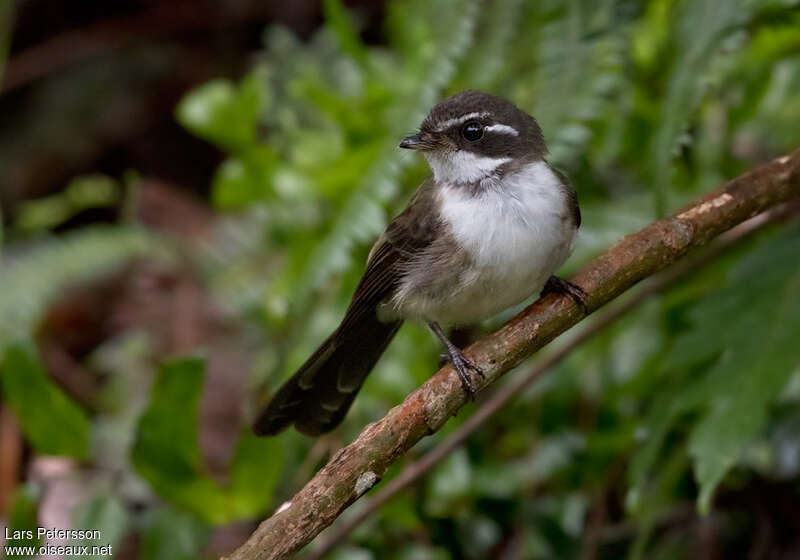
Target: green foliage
{"points": [[167, 453], [171, 535], [105, 513], [50, 420], [338, 19], [331, 130], [644, 105], [745, 367], [22, 519], [227, 115], [223, 113], [35, 273], [82, 193]]}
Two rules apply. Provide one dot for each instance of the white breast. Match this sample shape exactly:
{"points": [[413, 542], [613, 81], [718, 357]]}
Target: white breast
{"points": [[517, 233]]}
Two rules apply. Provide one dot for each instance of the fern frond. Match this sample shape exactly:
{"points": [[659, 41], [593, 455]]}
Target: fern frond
{"points": [[578, 61], [32, 276], [700, 29], [493, 39]]}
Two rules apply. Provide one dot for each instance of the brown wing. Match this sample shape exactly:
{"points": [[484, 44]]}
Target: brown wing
{"points": [[572, 196], [411, 232], [317, 396]]}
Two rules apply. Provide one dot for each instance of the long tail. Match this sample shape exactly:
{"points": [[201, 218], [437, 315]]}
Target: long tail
{"points": [[317, 397]]}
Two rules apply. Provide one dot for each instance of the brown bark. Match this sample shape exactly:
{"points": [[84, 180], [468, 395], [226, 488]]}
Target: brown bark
{"points": [[10, 458], [357, 467]]}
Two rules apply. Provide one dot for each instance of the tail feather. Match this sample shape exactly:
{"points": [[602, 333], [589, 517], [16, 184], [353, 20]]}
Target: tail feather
{"points": [[317, 397]]}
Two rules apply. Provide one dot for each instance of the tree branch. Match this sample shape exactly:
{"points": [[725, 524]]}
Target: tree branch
{"points": [[652, 286], [357, 467]]}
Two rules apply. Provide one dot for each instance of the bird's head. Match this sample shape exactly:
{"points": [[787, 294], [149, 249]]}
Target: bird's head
{"points": [[473, 135]]}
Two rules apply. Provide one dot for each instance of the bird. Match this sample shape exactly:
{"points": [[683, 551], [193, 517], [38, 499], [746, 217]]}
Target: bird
{"points": [[483, 234]]}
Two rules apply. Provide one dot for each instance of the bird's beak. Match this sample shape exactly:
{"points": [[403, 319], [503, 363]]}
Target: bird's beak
{"points": [[413, 142], [427, 141]]}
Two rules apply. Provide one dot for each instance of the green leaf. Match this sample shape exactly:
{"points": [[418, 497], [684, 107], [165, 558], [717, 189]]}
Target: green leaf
{"points": [[232, 186], [337, 18], [164, 436], [23, 521], [172, 535], [33, 274], [82, 193], [224, 113], [449, 485], [43, 213], [92, 191], [50, 420], [575, 71], [104, 513], [167, 453], [732, 374], [255, 472], [758, 361], [244, 179], [699, 28], [498, 26]]}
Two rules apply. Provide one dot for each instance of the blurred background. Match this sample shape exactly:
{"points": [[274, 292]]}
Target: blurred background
{"points": [[189, 190]]}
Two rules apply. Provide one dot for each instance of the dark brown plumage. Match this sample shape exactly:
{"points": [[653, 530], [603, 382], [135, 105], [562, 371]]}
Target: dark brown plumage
{"points": [[317, 397]]}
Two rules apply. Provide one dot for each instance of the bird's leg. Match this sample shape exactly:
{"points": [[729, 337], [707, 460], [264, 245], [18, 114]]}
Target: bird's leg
{"points": [[460, 362], [556, 285]]}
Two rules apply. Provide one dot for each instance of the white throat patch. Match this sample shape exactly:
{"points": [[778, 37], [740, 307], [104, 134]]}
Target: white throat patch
{"points": [[462, 166]]}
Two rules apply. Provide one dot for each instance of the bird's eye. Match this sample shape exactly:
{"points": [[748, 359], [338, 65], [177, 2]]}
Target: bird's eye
{"points": [[472, 131]]}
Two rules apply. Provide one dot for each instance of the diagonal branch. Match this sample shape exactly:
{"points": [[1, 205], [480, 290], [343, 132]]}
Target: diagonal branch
{"points": [[357, 467], [652, 286]]}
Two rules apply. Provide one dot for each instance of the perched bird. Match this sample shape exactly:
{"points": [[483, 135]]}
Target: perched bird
{"points": [[483, 234]]}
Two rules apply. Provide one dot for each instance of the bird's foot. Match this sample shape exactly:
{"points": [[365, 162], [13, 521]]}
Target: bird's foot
{"points": [[463, 366], [556, 285]]}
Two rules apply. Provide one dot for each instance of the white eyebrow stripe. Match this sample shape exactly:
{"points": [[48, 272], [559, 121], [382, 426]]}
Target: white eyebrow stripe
{"points": [[463, 118], [503, 129]]}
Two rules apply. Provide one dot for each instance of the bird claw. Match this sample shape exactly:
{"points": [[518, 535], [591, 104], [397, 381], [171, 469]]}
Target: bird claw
{"points": [[462, 366], [556, 285]]}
